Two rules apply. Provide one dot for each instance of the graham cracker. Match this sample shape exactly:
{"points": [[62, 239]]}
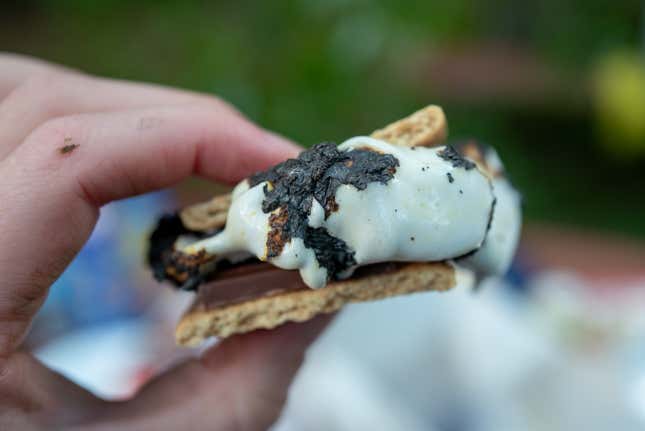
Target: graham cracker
{"points": [[278, 306], [210, 316], [425, 128], [207, 215]]}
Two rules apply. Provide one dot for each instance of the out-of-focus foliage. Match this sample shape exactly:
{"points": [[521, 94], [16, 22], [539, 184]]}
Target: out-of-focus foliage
{"points": [[516, 74]]}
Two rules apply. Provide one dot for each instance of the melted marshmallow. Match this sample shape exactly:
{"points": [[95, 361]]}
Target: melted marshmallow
{"points": [[418, 215], [496, 254]]}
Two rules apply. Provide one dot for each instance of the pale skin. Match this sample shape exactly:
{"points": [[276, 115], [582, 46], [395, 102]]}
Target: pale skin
{"points": [[70, 143]]}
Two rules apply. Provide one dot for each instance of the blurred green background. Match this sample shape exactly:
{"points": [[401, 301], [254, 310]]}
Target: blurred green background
{"points": [[558, 86]]}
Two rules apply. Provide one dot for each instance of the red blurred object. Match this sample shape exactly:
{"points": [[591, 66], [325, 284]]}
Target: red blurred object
{"points": [[598, 257]]}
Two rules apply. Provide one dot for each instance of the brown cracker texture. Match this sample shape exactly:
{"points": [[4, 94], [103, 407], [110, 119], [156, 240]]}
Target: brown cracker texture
{"points": [[425, 128], [266, 312]]}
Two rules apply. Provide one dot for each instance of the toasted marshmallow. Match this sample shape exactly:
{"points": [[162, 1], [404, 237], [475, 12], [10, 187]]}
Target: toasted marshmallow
{"points": [[368, 201], [496, 254]]}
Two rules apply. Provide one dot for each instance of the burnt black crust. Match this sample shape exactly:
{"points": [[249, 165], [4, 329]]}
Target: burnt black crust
{"points": [[462, 147], [491, 214], [332, 253], [184, 271], [316, 174], [161, 243], [450, 154]]}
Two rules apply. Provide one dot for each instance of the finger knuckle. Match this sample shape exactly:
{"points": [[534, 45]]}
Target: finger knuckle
{"points": [[44, 92], [46, 80], [56, 130]]}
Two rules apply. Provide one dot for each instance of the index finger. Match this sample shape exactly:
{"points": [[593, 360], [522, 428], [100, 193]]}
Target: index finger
{"points": [[54, 183], [16, 68]]}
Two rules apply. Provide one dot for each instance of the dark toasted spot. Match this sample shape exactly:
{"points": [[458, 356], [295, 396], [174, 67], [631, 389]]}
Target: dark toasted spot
{"points": [[473, 151], [184, 270], [451, 155], [277, 237], [477, 151], [316, 174], [332, 253], [331, 206]]}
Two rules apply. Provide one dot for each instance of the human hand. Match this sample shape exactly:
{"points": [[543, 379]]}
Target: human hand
{"points": [[70, 143]]}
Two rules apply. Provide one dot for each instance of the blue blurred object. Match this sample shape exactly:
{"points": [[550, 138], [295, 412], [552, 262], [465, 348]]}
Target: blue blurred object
{"points": [[108, 280], [519, 273]]}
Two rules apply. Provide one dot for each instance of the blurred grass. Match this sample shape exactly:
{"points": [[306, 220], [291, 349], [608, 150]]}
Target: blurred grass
{"points": [[325, 70]]}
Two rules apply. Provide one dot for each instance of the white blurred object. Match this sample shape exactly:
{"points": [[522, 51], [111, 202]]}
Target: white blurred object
{"points": [[103, 359], [357, 399], [569, 356], [112, 360], [490, 361]]}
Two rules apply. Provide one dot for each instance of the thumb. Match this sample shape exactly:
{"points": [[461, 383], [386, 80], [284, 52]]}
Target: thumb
{"points": [[240, 383]]}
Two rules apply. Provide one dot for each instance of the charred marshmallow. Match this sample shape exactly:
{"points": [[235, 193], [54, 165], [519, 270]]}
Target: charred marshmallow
{"points": [[366, 201]]}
